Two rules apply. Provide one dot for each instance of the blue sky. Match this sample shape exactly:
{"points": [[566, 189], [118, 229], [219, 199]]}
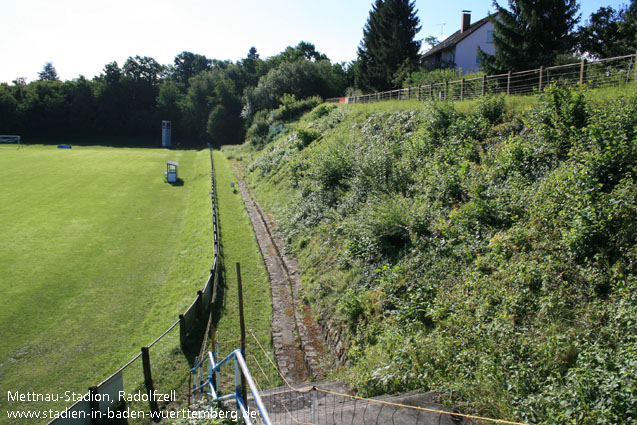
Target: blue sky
{"points": [[81, 36]]}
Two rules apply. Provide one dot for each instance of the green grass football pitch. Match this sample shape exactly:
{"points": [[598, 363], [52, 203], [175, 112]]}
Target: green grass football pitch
{"points": [[98, 256]]}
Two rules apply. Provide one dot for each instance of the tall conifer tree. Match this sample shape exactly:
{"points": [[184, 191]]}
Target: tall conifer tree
{"points": [[533, 33], [48, 73], [388, 44]]}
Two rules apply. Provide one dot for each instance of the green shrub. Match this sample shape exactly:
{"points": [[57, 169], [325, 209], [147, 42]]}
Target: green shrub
{"points": [[291, 108], [259, 130], [322, 110], [492, 109], [305, 137]]}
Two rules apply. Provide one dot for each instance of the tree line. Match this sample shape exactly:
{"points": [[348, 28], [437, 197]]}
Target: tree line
{"points": [[206, 99], [219, 101]]}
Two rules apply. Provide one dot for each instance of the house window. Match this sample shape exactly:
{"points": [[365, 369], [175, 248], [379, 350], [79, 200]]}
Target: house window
{"points": [[490, 36]]}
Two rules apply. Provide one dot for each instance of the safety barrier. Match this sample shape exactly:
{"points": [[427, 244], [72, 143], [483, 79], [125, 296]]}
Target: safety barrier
{"points": [[593, 74], [104, 397], [328, 404], [242, 380]]}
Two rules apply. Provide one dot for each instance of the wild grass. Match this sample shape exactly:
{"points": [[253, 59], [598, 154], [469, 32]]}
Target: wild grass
{"points": [[239, 245]]}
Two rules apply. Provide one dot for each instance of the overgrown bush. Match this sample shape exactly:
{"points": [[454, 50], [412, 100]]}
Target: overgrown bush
{"points": [[259, 129], [305, 137], [322, 110], [291, 108]]}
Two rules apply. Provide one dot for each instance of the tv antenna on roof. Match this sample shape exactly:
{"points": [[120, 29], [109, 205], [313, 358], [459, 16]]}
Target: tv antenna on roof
{"points": [[442, 26]]}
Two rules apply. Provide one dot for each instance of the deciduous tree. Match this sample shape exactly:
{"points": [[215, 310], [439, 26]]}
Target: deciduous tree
{"points": [[143, 69], [188, 64], [610, 32]]}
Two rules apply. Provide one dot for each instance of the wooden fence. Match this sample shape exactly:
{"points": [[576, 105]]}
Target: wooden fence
{"points": [[594, 74]]}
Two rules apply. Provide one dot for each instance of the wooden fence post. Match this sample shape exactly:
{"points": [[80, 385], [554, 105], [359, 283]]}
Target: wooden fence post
{"points": [[446, 89], [582, 73], [462, 90], [484, 85], [148, 380], [148, 377], [541, 77], [242, 324], [431, 91], [508, 83]]}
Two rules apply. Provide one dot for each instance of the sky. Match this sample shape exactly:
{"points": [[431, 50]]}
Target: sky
{"points": [[81, 36]]}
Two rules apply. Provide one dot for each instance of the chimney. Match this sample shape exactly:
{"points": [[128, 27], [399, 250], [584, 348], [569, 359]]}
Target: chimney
{"points": [[466, 20]]}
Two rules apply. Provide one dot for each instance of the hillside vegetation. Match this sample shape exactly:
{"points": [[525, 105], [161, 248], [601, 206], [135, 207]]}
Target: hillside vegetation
{"points": [[488, 254]]}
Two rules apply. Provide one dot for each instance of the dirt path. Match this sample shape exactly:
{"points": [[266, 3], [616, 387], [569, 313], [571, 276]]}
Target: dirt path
{"points": [[299, 346]]}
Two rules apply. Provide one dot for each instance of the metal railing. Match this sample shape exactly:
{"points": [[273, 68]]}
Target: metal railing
{"points": [[593, 74], [206, 382]]}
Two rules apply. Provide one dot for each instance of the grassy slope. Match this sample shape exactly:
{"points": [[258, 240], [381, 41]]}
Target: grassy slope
{"points": [[98, 257], [510, 253]]}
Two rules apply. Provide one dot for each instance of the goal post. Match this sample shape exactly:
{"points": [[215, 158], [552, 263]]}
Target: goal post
{"points": [[8, 138]]}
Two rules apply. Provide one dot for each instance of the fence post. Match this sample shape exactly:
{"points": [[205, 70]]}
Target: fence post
{"points": [[148, 381], [446, 89], [314, 406], [635, 65], [94, 405], [462, 90], [508, 83], [541, 77], [243, 327], [582, 72], [484, 85], [431, 91], [148, 377]]}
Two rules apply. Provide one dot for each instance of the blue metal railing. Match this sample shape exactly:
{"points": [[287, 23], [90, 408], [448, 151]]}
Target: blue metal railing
{"points": [[207, 383]]}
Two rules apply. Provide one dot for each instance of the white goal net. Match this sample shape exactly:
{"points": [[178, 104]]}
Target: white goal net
{"points": [[5, 138]]}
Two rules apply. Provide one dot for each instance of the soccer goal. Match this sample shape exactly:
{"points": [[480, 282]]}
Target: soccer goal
{"points": [[4, 138]]}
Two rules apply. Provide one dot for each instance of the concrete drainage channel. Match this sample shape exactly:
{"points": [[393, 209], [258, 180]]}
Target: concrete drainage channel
{"points": [[299, 345]]}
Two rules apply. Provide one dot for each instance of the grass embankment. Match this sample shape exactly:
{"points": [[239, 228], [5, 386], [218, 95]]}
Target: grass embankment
{"points": [[486, 250], [98, 256], [239, 244]]}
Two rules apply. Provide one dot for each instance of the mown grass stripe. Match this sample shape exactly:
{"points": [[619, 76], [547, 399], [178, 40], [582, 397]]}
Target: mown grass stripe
{"points": [[239, 244]]}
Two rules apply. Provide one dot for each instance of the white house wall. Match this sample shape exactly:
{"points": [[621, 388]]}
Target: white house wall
{"points": [[467, 49]]}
